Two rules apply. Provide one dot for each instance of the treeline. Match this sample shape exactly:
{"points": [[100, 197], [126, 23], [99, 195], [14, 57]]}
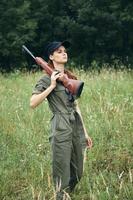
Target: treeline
{"points": [[99, 30]]}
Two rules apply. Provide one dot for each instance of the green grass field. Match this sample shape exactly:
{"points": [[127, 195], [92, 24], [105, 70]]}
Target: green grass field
{"points": [[107, 108]]}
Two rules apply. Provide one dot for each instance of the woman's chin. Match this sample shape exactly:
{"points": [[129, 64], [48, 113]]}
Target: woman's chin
{"points": [[64, 61]]}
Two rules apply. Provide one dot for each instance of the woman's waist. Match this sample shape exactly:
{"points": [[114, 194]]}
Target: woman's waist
{"points": [[65, 112]]}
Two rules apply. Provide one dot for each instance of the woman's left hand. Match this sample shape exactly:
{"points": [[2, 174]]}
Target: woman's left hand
{"points": [[89, 142]]}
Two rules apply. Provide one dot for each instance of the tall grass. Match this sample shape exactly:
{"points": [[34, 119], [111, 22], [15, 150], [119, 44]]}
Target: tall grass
{"points": [[107, 108]]}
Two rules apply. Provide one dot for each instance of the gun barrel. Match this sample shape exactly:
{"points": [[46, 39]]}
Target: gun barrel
{"points": [[28, 51]]}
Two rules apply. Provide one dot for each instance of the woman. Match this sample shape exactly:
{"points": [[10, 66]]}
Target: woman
{"points": [[68, 134]]}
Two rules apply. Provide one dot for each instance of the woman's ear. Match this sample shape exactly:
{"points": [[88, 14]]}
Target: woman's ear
{"points": [[51, 57]]}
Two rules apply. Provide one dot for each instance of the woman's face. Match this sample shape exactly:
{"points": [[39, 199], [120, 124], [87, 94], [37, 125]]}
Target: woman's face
{"points": [[59, 56]]}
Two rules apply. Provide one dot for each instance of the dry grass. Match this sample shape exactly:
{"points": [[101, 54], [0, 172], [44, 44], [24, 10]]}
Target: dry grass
{"points": [[107, 108]]}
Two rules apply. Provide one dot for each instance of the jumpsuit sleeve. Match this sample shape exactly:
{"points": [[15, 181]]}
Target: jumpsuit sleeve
{"points": [[41, 85]]}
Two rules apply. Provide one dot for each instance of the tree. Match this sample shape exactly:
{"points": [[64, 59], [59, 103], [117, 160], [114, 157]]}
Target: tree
{"points": [[17, 27], [99, 30]]}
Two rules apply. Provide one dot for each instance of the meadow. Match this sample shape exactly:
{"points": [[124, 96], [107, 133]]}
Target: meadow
{"points": [[107, 108]]}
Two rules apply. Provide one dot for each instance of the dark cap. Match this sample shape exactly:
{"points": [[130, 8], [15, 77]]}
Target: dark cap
{"points": [[52, 46]]}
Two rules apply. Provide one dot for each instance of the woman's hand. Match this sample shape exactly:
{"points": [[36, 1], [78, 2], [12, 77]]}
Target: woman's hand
{"points": [[89, 142], [55, 75], [88, 139]]}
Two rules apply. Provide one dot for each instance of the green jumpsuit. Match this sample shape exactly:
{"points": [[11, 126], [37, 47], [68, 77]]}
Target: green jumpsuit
{"points": [[67, 138]]}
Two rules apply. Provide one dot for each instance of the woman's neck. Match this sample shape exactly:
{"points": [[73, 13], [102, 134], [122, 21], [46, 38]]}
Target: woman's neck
{"points": [[59, 67]]}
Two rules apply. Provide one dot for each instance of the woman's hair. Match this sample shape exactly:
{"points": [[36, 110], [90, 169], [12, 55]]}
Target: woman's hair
{"points": [[69, 73]]}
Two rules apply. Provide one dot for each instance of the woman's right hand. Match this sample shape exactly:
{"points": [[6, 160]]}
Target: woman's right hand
{"points": [[55, 75]]}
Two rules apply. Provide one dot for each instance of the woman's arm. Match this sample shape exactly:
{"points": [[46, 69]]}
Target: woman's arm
{"points": [[36, 99], [88, 139]]}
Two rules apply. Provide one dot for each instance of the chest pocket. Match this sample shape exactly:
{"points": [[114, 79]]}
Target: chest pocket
{"points": [[64, 92], [59, 87], [60, 91]]}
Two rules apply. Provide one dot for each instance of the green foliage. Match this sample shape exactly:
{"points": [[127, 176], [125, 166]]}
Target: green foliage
{"points": [[98, 30], [107, 108], [17, 27]]}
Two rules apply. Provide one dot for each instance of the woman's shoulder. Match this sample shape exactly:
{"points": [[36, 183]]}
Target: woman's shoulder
{"points": [[42, 83], [44, 78]]}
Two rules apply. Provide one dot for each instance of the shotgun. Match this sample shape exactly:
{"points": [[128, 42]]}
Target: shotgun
{"points": [[75, 87]]}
